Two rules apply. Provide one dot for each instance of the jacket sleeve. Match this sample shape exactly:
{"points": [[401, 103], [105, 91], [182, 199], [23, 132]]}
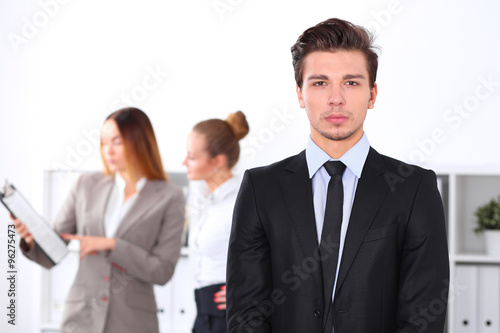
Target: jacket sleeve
{"points": [[424, 277], [249, 273], [156, 265], [65, 222]]}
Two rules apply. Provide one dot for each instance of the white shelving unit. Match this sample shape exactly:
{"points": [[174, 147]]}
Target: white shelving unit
{"points": [[475, 277]]}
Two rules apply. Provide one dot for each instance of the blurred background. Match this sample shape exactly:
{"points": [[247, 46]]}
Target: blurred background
{"points": [[66, 64]]}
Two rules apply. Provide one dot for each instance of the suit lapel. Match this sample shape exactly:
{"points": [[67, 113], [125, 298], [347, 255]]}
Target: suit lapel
{"points": [[146, 199], [370, 193], [297, 191], [98, 202]]}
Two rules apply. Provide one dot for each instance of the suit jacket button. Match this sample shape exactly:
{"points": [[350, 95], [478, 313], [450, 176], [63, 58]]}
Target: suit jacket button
{"points": [[317, 313]]}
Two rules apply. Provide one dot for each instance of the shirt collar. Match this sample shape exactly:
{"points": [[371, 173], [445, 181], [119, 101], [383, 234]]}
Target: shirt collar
{"points": [[121, 183], [354, 158]]}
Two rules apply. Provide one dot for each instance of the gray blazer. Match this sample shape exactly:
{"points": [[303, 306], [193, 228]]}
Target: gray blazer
{"points": [[113, 290]]}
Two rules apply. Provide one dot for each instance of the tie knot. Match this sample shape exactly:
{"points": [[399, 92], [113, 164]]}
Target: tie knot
{"points": [[334, 168]]}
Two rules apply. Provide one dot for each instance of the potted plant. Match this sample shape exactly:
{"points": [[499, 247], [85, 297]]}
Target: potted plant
{"points": [[488, 221]]}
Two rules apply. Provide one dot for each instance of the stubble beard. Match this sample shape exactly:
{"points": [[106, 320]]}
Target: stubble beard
{"points": [[338, 135], [335, 133]]}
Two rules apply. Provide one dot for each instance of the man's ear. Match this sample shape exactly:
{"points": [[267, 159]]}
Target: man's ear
{"points": [[373, 96], [299, 95]]}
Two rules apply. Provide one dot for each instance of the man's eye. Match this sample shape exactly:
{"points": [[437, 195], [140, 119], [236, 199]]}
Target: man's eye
{"points": [[319, 83], [352, 83]]}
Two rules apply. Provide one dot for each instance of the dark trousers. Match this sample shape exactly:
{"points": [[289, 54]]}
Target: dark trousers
{"points": [[209, 318]]}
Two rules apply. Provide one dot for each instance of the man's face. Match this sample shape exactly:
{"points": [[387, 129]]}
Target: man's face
{"points": [[336, 94]]}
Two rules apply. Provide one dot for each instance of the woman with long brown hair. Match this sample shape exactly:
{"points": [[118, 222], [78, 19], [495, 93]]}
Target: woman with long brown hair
{"points": [[213, 150], [128, 220]]}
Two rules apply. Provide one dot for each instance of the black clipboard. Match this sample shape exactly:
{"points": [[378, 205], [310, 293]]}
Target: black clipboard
{"points": [[44, 236]]}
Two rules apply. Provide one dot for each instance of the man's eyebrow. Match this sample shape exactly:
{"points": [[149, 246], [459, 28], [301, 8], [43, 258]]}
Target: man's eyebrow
{"points": [[317, 77], [325, 77], [353, 76]]}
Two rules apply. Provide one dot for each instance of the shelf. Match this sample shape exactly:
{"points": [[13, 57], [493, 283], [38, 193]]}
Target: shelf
{"points": [[467, 192], [475, 259], [467, 189], [49, 327], [465, 170]]}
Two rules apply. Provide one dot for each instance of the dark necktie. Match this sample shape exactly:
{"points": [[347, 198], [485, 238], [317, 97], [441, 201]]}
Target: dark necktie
{"points": [[330, 236]]}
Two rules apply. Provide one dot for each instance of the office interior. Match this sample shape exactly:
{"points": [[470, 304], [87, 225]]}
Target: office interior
{"points": [[66, 65]]}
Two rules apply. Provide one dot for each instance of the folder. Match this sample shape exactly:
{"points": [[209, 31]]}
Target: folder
{"points": [[489, 299], [467, 301], [44, 236]]}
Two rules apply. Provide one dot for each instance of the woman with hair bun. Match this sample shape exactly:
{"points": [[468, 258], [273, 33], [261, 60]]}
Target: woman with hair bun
{"points": [[212, 151]]}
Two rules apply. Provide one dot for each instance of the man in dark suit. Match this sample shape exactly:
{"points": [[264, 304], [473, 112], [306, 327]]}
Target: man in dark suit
{"points": [[378, 263]]}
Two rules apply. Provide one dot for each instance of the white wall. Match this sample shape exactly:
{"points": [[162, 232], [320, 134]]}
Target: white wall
{"points": [[65, 65]]}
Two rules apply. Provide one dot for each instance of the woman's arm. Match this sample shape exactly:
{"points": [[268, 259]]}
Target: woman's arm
{"points": [[65, 223], [90, 245]]}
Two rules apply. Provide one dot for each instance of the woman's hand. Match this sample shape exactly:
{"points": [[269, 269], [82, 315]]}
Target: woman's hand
{"points": [[24, 232], [220, 298], [90, 245]]}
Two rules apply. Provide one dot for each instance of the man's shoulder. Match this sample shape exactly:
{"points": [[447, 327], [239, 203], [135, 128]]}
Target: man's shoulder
{"points": [[403, 169], [265, 180], [277, 168]]}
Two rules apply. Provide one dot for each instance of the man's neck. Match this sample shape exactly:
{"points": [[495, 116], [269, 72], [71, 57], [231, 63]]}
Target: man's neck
{"points": [[335, 148]]}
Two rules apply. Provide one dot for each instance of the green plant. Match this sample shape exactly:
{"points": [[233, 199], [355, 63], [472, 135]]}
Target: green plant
{"points": [[488, 216]]}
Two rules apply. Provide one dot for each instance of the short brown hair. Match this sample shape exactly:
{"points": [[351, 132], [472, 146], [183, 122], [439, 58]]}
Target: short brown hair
{"points": [[333, 35], [139, 142], [222, 136]]}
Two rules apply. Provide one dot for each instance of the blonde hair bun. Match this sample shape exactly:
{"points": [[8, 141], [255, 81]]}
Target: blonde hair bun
{"points": [[238, 123]]}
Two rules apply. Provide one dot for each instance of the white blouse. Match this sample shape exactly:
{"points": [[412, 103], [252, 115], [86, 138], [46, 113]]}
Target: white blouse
{"points": [[210, 216], [116, 208]]}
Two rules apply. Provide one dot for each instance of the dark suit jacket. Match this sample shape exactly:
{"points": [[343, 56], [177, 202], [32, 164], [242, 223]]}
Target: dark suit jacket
{"points": [[394, 271]]}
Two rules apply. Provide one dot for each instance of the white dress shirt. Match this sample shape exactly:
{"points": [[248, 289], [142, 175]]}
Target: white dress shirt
{"points": [[210, 216], [117, 207], [354, 160]]}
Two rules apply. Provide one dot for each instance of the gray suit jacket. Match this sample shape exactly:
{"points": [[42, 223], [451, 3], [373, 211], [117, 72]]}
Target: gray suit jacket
{"points": [[113, 290]]}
